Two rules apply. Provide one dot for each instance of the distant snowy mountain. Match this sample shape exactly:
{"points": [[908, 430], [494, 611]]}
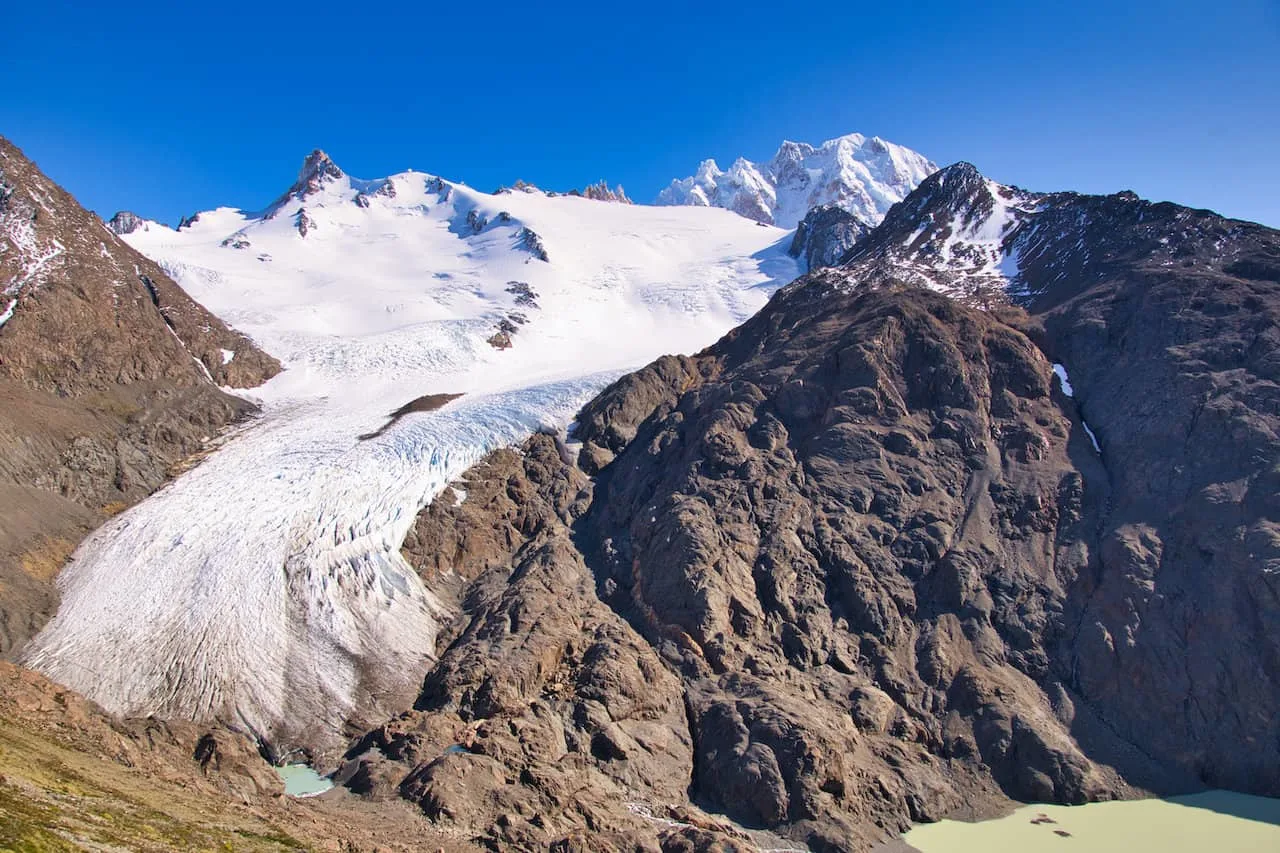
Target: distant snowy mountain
{"points": [[266, 586], [864, 176]]}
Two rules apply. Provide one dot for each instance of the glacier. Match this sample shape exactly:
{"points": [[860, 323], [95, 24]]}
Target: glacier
{"points": [[265, 587]]}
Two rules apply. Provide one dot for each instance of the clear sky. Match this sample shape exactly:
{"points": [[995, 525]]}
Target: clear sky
{"points": [[169, 108]]}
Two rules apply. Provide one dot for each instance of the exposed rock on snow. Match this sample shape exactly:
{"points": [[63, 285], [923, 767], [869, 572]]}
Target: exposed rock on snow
{"points": [[525, 296], [600, 192], [304, 223], [530, 240], [126, 222], [825, 236], [863, 176]]}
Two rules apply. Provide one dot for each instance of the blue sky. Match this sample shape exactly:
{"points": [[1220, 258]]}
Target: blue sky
{"points": [[166, 110]]}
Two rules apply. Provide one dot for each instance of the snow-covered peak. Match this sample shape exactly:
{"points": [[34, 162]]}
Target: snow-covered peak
{"points": [[958, 232], [865, 176]]}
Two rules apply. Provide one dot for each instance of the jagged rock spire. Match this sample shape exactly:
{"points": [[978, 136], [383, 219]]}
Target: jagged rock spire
{"points": [[317, 169], [125, 222]]}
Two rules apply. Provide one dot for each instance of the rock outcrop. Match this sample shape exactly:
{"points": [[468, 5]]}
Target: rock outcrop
{"points": [[126, 222], [549, 723], [825, 236], [600, 191], [844, 527], [108, 380]]}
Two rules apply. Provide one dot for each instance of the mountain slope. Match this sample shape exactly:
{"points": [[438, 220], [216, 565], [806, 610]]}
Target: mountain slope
{"points": [[265, 588], [863, 176], [898, 561], [1164, 318], [107, 379], [970, 237], [74, 778]]}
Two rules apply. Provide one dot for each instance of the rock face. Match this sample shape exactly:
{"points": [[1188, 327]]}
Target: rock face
{"points": [[1166, 318], [825, 236], [864, 176], [549, 723], [861, 564], [600, 192], [843, 526], [108, 379], [317, 170], [126, 222]]}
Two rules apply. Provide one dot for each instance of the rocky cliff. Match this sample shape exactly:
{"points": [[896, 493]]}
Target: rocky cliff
{"points": [[825, 236], [109, 378], [868, 561]]}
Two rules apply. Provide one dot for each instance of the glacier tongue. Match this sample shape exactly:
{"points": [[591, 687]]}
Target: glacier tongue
{"points": [[265, 587]]}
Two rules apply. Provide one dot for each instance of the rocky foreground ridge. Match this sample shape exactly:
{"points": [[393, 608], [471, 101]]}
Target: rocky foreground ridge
{"points": [[861, 563], [109, 378]]}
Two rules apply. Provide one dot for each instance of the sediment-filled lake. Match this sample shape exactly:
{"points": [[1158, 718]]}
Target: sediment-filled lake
{"points": [[1214, 821]]}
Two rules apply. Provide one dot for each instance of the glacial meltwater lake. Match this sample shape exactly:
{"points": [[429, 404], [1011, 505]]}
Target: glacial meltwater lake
{"points": [[1211, 822], [301, 781]]}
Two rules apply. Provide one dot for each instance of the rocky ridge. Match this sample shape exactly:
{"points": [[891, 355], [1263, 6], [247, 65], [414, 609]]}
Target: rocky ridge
{"points": [[108, 376]]}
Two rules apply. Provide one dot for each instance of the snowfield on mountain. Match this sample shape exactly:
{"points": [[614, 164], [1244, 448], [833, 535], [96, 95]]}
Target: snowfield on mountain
{"points": [[266, 587]]}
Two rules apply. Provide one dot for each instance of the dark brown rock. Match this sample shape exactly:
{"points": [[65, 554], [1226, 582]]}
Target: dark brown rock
{"points": [[108, 383], [548, 723]]}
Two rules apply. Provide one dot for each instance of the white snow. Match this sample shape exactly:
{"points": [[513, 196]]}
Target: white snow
{"points": [[1061, 371], [265, 586], [1092, 438], [865, 176], [227, 355], [1065, 382], [8, 312]]}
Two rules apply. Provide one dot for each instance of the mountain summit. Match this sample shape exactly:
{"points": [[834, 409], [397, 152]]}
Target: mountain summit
{"points": [[865, 176], [317, 170]]}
